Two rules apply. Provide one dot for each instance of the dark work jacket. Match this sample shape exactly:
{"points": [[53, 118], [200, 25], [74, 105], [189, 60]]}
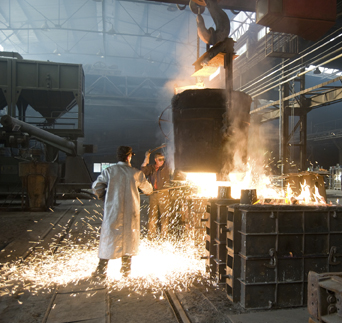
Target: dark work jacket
{"points": [[162, 175]]}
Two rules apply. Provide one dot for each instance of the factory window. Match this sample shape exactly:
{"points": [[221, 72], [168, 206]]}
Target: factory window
{"points": [[241, 50], [263, 32], [99, 167], [240, 24], [324, 72]]}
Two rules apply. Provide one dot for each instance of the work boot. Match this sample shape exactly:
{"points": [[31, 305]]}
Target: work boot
{"points": [[101, 268], [126, 265]]}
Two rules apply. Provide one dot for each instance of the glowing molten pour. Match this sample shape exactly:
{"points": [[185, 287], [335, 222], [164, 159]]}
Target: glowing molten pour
{"points": [[206, 185]]}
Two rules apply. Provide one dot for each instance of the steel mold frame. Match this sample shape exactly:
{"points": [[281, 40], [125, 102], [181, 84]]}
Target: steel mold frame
{"points": [[271, 249]]}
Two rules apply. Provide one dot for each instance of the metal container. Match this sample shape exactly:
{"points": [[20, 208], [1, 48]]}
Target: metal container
{"points": [[325, 297], [248, 196], [220, 241], [39, 180], [310, 19], [51, 89], [233, 260], [271, 250], [224, 192], [197, 122], [215, 220], [206, 133], [193, 215]]}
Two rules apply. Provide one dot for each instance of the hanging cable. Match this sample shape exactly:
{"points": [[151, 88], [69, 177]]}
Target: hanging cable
{"points": [[276, 68], [285, 78]]}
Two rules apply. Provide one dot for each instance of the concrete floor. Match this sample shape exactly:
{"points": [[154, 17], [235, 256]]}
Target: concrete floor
{"points": [[72, 302]]}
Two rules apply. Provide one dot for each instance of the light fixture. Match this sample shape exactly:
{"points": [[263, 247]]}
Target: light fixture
{"points": [[56, 52], [150, 59], [159, 37], [45, 26], [317, 71], [172, 7], [99, 53]]}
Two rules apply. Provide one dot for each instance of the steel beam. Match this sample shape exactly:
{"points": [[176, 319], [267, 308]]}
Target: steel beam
{"points": [[302, 125], [326, 98], [307, 91], [238, 5], [317, 101]]}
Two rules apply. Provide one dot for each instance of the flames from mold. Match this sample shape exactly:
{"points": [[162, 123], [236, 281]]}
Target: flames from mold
{"points": [[268, 192]]}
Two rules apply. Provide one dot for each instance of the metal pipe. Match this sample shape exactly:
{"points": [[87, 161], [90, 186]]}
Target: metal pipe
{"points": [[297, 94], [40, 134], [281, 139], [11, 55], [275, 70], [269, 86]]}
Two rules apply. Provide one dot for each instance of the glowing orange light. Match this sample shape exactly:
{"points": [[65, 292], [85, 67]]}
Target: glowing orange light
{"points": [[206, 186]]}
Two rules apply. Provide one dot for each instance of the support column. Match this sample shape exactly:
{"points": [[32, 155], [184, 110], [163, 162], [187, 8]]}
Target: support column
{"points": [[303, 127], [284, 129], [338, 144], [228, 67]]}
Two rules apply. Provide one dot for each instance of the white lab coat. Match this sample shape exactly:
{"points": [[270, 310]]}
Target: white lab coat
{"points": [[120, 231]]}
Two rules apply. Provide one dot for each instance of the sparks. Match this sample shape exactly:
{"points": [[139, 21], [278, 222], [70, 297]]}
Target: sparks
{"points": [[160, 264]]}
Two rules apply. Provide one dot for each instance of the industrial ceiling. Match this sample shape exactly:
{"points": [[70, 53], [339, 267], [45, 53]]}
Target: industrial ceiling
{"points": [[140, 38]]}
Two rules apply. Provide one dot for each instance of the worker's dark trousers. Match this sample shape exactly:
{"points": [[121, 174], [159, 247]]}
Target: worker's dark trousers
{"points": [[102, 265], [160, 211], [126, 264]]}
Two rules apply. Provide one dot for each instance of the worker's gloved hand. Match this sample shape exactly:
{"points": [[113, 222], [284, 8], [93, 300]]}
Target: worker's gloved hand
{"points": [[102, 196], [148, 154]]}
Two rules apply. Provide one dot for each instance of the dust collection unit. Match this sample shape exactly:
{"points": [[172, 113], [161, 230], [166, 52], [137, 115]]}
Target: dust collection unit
{"points": [[42, 113]]}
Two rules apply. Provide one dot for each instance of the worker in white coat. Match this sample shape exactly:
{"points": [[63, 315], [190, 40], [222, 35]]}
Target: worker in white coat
{"points": [[118, 185]]}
